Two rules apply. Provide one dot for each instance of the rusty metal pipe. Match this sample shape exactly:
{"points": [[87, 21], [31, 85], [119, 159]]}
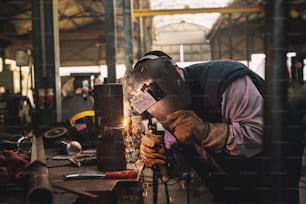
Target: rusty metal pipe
{"points": [[39, 186]]}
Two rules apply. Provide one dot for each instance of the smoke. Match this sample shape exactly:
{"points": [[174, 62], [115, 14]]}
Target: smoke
{"points": [[129, 93]]}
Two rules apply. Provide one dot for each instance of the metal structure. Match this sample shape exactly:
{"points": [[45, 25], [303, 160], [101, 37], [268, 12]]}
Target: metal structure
{"points": [[175, 40], [237, 36], [81, 24], [82, 28], [238, 9]]}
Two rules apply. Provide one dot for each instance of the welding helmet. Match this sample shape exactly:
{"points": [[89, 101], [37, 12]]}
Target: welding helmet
{"points": [[159, 87]]}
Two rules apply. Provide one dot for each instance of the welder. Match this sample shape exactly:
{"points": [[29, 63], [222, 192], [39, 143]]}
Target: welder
{"points": [[212, 113]]}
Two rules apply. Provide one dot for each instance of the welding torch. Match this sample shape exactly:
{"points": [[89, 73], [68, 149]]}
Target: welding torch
{"points": [[161, 168], [158, 168]]}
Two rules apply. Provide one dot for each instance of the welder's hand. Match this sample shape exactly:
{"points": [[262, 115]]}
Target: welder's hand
{"points": [[187, 126], [152, 150]]}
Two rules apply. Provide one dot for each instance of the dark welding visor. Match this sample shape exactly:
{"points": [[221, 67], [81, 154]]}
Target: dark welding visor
{"points": [[161, 90]]}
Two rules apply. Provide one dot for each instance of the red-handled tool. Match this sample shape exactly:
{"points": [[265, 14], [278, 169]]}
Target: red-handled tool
{"points": [[126, 174]]}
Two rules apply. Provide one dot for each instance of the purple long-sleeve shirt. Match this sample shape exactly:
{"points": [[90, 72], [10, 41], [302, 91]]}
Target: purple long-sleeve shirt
{"points": [[242, 109]]}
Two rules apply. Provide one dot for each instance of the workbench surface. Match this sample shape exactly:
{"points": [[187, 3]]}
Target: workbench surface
{"points": [[106, 190]]}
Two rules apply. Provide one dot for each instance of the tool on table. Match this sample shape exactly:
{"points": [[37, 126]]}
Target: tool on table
{"points": [[73, 160], [126, 174], [79, 192], [72, 147], [78, 160], [23, 144], [56, 132]]}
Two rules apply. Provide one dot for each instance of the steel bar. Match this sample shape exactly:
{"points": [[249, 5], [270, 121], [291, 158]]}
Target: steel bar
{"points": [[128, 33], [155, 185], [167, 193], [279, 81], [275, 103], [110, 29]]}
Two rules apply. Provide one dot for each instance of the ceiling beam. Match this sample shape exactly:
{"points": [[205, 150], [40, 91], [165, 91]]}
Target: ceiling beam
{"points": [[90, 35], [80, 36], [241, 9]]}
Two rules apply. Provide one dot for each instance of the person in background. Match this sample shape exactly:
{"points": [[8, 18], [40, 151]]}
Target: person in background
{"points": [[77, 97], [213, 118]]}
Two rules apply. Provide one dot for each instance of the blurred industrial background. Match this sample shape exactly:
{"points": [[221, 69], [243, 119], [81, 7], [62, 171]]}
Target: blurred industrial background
{"points": [[53, 49], [53, 40]]}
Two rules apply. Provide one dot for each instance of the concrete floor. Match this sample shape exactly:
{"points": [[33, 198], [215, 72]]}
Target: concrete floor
{"points": [[198, 191], [177, 191]]}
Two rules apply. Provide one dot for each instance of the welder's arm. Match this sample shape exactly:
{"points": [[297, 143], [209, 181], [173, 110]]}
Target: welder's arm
{"points": [[242, 135], [187, 126], [242, 106]]}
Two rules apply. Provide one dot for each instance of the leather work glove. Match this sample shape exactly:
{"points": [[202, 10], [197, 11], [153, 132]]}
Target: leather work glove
{"points": [[152, 150], [186, 126]]}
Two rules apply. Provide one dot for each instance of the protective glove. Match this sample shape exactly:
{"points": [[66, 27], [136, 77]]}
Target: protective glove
{"points": [[187, 126], [11, 164], [152, 150]]}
